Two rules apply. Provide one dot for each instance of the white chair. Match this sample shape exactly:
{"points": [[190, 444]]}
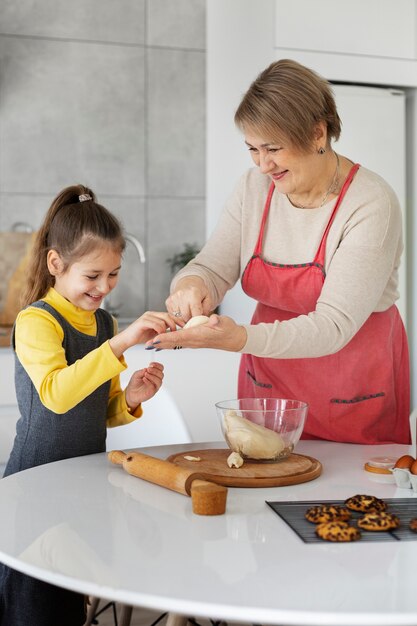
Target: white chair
{"points": [[161, 424]]}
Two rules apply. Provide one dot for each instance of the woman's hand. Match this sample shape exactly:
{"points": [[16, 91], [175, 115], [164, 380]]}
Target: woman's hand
{"points": [[144, 384], [191, 297], [147, 326], [220, 332]]}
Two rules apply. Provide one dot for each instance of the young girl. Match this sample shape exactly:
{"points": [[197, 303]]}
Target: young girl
{"points": [[68, 358]]}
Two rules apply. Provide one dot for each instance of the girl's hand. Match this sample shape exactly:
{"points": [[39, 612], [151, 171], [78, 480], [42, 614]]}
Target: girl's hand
{"points": [[144, 384], [143, 329], [220, 332], [191, 297]]}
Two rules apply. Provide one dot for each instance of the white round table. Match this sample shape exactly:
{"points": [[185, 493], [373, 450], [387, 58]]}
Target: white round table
{"points": [[87, 525]]}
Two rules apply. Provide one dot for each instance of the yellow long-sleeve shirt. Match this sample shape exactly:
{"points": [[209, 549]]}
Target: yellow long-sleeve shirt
{"points": [[38, 339]]}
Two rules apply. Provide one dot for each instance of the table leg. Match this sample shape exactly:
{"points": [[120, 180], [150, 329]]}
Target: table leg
{"points": [[91, 611], [125, 615], [174, 619]]}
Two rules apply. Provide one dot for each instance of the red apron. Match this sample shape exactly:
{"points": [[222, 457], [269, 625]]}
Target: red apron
{"points": [[361, 394]]}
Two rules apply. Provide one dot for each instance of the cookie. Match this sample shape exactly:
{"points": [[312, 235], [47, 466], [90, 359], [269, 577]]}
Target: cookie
{"points": [[365, 504], [327, 513], [337, 531], [413, 525], [378, 521]]}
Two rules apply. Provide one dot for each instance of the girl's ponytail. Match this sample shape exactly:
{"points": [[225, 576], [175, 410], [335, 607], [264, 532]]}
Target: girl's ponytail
{"points": [[74, 220]]}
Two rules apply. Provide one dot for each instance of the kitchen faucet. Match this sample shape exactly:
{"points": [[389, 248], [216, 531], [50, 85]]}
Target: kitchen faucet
{"points": [[138, 246], [107, 305]]}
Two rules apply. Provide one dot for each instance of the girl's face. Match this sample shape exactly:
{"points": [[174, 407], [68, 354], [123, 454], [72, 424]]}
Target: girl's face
{"points": [[88, 280], [291, 171]]}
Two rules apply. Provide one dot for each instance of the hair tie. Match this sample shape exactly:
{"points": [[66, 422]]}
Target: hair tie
{"points": [[84, 196]]}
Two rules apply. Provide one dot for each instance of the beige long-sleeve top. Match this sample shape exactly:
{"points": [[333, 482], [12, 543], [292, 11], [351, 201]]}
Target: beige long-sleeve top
{"points": [[363, 254]]}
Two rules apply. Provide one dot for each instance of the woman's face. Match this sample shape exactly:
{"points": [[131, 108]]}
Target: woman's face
{"points": [[291, 170]]}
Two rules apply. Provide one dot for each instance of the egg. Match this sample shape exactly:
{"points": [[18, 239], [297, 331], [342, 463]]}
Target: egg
{"points": [[405, 462], [413, 468], [196, 321]]}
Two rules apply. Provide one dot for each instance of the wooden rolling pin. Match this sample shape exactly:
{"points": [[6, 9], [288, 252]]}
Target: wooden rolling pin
{"points": [[207, 497]]}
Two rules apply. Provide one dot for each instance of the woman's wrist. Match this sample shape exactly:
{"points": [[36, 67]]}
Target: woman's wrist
{"points": [[241, 339], [189, 281]]}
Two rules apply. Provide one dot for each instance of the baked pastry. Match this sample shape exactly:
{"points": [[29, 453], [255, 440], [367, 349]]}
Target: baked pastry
{"points": [[327, 513], [378, 521], [337, 531], [365, 504], [413, 525]]}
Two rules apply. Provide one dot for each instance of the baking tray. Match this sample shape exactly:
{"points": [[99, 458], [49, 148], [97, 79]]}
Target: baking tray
{"points": [[293, 514]]}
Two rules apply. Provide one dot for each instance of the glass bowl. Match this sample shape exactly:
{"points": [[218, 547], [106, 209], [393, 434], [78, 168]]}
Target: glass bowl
{"points": [[262, 429]]}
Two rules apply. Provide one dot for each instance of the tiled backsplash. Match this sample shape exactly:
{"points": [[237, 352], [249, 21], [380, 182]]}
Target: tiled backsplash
{"points": [[111, 95]]}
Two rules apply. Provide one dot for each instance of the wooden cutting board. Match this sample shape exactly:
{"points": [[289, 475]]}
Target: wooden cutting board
{"points": [[15, 250], [297, 468]]}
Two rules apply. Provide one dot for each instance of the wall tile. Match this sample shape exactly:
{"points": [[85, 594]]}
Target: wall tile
{"points": [[171, 223], [71, 111], [74, 111], [176, 123], [179, 24], [27, 208], [113, 20]]}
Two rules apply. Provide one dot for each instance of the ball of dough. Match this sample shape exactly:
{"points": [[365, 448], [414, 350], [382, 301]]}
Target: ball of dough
{"points": [[196, 321], [235, 460]]}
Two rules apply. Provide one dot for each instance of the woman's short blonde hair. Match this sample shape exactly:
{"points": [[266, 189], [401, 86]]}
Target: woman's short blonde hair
{"points": [[285, 103]]}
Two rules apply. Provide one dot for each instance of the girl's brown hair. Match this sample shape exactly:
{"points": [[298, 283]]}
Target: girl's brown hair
{"points": [[72, 228], [285, 103]]}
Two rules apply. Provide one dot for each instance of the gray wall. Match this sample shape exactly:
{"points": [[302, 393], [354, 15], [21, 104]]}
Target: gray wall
{"points": [[109, 93]]}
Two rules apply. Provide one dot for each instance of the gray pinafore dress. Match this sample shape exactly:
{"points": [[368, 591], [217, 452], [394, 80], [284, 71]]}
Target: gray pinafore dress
{"points": [[43, 436]]}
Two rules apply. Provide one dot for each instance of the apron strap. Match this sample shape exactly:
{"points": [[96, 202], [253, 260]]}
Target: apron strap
{"points": [[258, 247], [319, 258]]}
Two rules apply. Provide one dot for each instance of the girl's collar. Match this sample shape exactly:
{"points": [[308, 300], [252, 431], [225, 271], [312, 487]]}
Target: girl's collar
{"points": [[54, 298]]}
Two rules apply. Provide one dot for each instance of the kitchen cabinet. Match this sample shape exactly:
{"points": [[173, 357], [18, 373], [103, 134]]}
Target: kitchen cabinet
{"points": [[378, 28], [372, 42]]}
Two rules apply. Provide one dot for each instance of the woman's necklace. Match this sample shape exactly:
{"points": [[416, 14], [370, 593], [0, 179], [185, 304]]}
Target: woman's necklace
{"points": [[331, 189]]}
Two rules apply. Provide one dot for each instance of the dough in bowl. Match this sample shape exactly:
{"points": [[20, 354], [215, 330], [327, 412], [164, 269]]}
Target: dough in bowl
{"points": [[251, 440]]}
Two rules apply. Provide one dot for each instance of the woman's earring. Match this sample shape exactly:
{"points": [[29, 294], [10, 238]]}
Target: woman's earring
{"points": [[321, 151]]}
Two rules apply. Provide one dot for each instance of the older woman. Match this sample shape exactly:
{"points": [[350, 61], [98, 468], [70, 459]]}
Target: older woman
{"points": [[316, 240]]}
